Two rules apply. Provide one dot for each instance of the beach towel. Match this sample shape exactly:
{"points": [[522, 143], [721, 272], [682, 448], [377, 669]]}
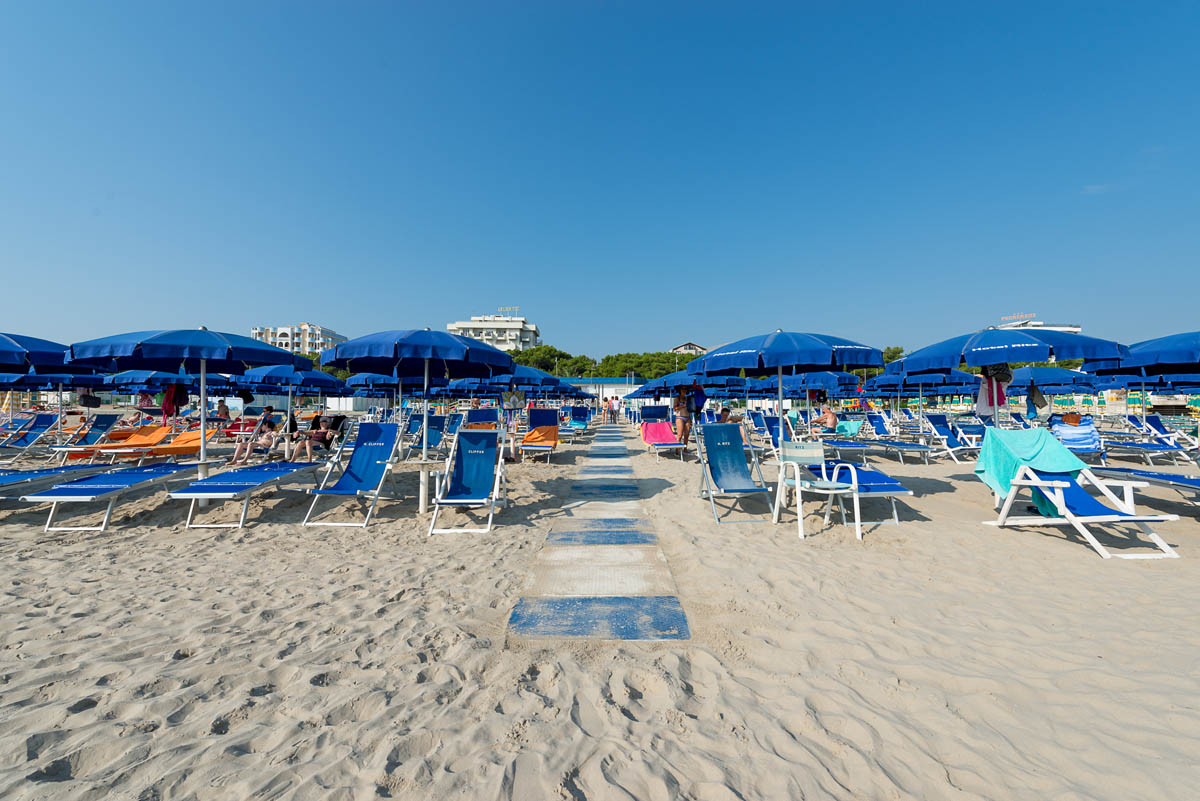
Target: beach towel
{"points": [[1081, 437], [1005, 452], [848, 428]]}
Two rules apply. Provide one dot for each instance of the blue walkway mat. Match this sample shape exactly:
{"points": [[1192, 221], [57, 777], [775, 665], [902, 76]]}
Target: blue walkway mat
{"points": [[598, 536], [610, 618]]}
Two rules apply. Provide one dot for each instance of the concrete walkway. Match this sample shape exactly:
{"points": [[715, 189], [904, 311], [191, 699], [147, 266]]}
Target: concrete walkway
{"points": [[600, 574]]}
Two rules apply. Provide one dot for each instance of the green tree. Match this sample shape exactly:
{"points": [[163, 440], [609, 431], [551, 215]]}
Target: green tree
{"points": [[543, 357], [333, 371]]}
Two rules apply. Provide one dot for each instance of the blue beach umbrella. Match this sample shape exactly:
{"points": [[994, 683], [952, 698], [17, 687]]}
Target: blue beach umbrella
{"points": [[782, 352], [19, 352], [412, 351], [180, 350], [1002, 345]]}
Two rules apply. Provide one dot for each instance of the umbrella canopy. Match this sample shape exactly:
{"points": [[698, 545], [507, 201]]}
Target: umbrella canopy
{"points": [[788, 351], [19, 352], [178, 350], [1177, 354], [144, 378], [285, 375], [1001, 345], [1042, 377], [405, 352], [525, 376]]}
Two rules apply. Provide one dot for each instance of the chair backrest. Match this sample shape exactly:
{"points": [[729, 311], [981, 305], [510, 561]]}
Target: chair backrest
{"points": [[802, 452], [1156, 425], [453, 421], [30, 434], [414, 424], [145, 437], [374, 446], [482, 416], [542, 417], [937, 419], [650, 413], [99, 428], [724, 457], [757, 419], [658, 432], [772, 424], [474, 470], [878, 423], [579, 413]]}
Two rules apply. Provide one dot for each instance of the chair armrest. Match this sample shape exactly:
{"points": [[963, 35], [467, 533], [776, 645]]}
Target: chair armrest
{"points": [[1024, 482]]}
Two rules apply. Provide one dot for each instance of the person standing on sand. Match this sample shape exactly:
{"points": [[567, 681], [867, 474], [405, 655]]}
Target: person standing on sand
{"points": [[683, 415]]}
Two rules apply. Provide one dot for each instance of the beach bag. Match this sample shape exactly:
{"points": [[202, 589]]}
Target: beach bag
{"points": [[87, 400], [1071, 418], [245, 395]]}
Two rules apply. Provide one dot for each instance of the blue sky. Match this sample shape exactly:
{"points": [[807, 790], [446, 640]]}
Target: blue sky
{"points": [[632, 175]]}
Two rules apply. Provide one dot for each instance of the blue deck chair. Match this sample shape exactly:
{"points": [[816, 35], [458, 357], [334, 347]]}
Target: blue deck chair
{"points": [[1020, 420], [758, 424], [370, 467], [725, 472], [453, 421], [240, 485], [654, 414], [437, 434], [29, 433], [1077, 508], [110, 486], [474, 477], [951, 445], [15, 483], [97, 430]]}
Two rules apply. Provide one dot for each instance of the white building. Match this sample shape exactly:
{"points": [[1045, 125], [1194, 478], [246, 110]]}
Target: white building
{"points": [[689, 349], [1020, 321], [301, 338], [500, 331]]}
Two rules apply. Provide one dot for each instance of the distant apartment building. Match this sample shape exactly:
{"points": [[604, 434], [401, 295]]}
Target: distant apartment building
{"points": [[689, 349], [301, 338], [500, 331]]}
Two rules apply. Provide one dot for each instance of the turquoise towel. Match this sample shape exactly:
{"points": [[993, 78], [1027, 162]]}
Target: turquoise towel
{"points": [[1005, 452], [849, 428]]}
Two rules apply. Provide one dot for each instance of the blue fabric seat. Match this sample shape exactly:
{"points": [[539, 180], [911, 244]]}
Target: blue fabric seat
{"points": [[108, 486], [725, 470]]}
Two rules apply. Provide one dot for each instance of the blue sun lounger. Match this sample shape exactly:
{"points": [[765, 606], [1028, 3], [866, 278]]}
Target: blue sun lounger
{"points": [[1184, 485], [866, 483], [15, 483], [110, 486], [474, 478], [240, 485], [370, 466], [540, 418], [725, 471], [1158, 428]]}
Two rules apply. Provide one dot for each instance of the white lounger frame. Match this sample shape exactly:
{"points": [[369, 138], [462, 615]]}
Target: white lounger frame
{"points": [[242, 495], [1053, 490], [497, 497]]}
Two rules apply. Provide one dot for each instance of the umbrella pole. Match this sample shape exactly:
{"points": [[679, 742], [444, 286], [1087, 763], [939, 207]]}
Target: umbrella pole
{"points": [[423, 499], [287, 442], [203, 468], [425, 411], [58, 422], [782, 422]]}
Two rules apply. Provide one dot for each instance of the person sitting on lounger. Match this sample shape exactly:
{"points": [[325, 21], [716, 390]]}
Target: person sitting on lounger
{"points": [[728, 416], [222, 412], [826, 420], [265, 440], [320, 436]]}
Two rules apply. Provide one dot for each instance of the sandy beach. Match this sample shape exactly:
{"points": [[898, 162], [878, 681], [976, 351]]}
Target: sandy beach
{"points": [[938, 659]]}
